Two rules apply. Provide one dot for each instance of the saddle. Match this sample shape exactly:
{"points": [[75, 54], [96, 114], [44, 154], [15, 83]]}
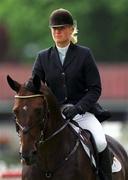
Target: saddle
{"points": [[89, 146], [87, 140]]}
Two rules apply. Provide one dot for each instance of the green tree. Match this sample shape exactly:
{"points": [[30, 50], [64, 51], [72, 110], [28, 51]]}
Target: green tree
{"points": [[102, 26]]}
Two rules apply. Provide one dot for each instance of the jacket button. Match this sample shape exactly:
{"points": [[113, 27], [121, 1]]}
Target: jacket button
{"points": [[66, 98], [63, 74]]}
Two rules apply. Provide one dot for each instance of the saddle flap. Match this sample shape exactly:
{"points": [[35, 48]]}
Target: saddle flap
{"points": [[88, 144]]}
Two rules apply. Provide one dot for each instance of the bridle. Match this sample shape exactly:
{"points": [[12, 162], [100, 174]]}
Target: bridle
{"points": [[29, 96], [48, 174], [26, 130]]}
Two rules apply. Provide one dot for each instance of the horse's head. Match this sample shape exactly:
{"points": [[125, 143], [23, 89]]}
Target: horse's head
{"points": [[30, 114]]}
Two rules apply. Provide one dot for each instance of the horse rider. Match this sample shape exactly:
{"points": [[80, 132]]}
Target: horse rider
{"points": [[70, 71]]}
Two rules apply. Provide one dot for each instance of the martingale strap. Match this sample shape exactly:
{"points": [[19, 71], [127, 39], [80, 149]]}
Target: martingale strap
{"points": [[29, 96]]}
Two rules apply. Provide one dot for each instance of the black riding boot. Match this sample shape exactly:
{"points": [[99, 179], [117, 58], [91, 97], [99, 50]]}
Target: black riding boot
{"points": [[105, 171]]}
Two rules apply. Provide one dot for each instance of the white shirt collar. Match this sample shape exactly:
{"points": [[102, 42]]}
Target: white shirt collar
{"points": [[63, 50]]}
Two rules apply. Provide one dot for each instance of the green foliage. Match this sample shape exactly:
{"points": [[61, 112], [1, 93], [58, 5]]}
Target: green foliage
{"points": [[105, 30], [102, 26]]}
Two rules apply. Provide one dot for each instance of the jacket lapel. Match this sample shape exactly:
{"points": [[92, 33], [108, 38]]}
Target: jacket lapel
{"points": [[69, 56], [55, 57], [68, 59]]}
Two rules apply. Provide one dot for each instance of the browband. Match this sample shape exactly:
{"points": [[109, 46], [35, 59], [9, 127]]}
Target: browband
{"points": [[29, 96]]}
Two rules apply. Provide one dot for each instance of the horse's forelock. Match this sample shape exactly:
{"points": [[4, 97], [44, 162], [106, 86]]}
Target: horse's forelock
{"points": [[44, 89], [31, 87]]}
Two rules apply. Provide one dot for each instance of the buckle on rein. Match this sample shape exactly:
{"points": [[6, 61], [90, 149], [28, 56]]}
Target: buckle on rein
{"points": [[48, 174]]}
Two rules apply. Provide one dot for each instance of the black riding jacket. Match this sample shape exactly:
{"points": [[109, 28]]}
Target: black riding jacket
{"points": [[77, 81]]}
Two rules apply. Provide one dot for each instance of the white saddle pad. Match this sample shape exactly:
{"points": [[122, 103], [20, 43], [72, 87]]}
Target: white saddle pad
{"points": [[116, 166]]}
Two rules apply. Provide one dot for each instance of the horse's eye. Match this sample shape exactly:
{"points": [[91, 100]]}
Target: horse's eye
{"points": [[15, 113], [17, 128], [14, 117], [16, 125]]}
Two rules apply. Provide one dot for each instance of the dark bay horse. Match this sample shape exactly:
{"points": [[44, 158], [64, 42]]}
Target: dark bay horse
{"points": [[49, 149]]}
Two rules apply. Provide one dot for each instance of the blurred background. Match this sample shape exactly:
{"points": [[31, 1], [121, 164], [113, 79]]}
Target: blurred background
{"points": [[102, 25]]}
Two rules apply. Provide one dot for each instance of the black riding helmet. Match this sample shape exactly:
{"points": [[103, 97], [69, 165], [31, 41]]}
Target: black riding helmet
{"points": [[60, 17]]}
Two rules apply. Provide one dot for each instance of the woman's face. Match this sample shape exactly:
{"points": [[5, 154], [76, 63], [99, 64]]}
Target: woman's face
{"points": [[62, 35]]}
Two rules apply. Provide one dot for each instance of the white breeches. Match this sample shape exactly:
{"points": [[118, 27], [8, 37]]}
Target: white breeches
{"points": [[88, 121]]}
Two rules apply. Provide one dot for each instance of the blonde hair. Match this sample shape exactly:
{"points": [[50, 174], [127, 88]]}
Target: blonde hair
{"points": [[74, 38]]}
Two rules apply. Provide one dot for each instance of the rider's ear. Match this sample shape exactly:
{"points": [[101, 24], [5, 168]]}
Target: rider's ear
{"points": [[37, 82], [13, 84]]}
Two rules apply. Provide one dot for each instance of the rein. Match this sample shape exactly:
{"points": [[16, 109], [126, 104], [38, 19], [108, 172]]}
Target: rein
{"points": [[55, 133]]}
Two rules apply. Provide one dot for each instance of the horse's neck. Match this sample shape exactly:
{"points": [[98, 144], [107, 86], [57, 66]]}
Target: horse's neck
{"points": [[64, 139], [57, 149], [55, 117]]}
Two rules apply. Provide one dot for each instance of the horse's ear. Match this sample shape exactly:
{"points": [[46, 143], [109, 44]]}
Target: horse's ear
{"points": [[13, 84], [36, 82]]}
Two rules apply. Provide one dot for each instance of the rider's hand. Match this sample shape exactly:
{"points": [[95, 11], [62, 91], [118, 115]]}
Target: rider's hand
{"points": [[70, 112]]}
